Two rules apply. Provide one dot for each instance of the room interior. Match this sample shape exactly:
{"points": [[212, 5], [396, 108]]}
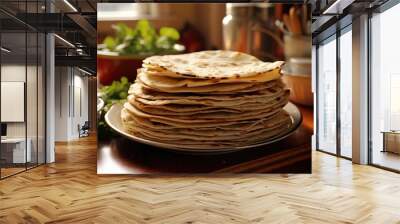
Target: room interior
{"points": [[355, 85], [22, 104], [355, 156], [39, 108]]}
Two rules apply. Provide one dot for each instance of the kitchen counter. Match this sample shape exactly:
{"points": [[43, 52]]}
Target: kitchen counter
{"points": [[290, 155]]}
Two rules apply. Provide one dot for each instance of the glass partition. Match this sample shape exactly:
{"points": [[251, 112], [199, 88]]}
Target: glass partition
{"points": [[31, 98], [23, 91], [14, 151]]}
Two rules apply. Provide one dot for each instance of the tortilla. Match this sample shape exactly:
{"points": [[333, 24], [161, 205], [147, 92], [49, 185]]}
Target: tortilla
{"points": [[215, 103], [164, 81], [212, 144], [271, 90], [247, 125], [220, 87], [207, 100], [217, 64]]}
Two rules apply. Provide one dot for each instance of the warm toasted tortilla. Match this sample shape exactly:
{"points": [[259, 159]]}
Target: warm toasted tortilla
{"points": [[217, 64], [211, 143], [164, 81], [171, 110], [247, 125], [213, 103], [217, 89], [210, 99], [220, 87], [271, 90], [191, 134], [208, 119]]}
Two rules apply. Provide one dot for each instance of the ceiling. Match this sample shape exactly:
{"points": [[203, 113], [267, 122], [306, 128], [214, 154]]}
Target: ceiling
{"points": [[73, 20]]}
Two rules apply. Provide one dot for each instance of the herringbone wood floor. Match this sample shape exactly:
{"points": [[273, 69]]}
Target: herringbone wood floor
{"points": [[69, 191]]}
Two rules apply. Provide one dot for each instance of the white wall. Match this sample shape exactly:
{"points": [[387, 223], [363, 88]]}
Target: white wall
{"points": [[69, 82], [61, 103], [80, 84], [34, 124], [12, 73]]}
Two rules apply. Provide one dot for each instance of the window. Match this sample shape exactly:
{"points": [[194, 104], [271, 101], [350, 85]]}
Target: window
{"points": [[345, 43], [385, 88], [326, 96]]}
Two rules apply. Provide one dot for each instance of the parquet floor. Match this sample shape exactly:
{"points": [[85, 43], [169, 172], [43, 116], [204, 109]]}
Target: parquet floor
{"points": [[69, 191]]}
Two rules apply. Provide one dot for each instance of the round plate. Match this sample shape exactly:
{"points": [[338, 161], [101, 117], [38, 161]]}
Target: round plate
{"points": [[113, 119]]}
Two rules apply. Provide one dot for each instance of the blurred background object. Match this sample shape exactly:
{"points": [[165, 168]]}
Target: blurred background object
{"points": [[191, 38], [195, 32], [296, 26], [122, 53], [296, 76], [258, 28], [250, 28], [268, 31], [205, 18]]}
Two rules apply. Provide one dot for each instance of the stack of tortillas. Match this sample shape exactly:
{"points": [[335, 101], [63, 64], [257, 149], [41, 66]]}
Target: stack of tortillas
{"points": [[208, 99]]}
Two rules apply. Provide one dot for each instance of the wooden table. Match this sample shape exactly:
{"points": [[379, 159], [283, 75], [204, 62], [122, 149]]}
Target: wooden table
{"points": [[291, 155], [391, 141]]}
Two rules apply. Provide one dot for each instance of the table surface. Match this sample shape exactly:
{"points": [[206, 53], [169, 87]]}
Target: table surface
{"points": [[13, 140], [391, 132], [290, 155]]}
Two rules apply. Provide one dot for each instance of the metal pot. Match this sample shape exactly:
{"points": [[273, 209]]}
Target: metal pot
{"points": [[249, 28]]}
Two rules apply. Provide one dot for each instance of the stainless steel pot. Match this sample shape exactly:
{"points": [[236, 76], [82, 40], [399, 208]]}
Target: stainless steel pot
{"points": [[250, 28]]}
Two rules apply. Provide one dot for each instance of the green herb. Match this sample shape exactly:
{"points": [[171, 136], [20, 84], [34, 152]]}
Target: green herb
{"points": [[117, 92], [143, 39]]}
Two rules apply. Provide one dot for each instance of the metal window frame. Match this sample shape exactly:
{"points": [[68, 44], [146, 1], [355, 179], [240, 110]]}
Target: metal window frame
{"points": [[364, 61], [341, 28], [340, 32]]}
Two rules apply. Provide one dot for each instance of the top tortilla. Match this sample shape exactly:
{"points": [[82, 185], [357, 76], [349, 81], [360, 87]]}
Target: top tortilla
{"points": [[216, 64]]}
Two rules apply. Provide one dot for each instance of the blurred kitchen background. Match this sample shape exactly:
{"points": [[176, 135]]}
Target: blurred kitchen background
{"points": [[268, 31]]}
